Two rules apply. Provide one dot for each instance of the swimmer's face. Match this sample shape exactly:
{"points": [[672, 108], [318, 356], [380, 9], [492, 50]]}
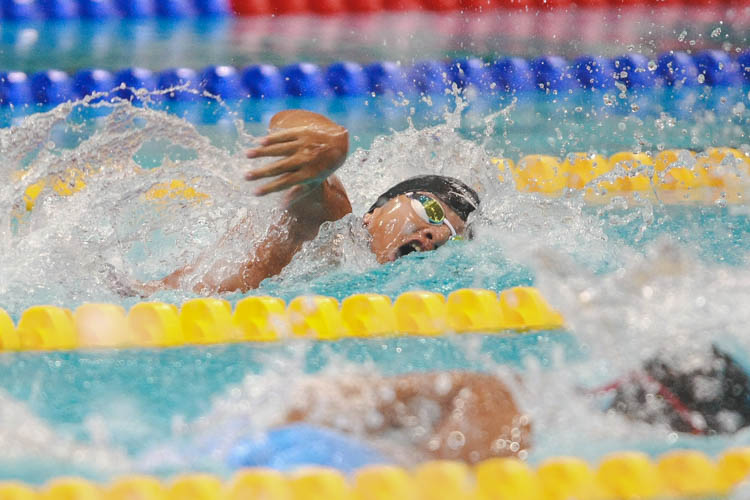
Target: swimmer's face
{"points": [[397, 229]]}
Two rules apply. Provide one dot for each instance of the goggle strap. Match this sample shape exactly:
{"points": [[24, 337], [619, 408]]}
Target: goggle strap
{"points": [[450, 226]]}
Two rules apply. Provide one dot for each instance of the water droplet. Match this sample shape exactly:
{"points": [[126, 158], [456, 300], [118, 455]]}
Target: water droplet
{"points": [[701, 78], [652, 65], [682, 36], [716, 32], [634, 107], [456, 440], [443, 384]]}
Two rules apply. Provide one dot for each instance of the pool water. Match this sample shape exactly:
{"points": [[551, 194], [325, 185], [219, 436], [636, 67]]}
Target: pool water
{"points": [[631, 280]]}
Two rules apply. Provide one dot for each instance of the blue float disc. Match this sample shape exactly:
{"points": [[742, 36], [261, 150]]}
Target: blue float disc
{"points": [[551, 73], [743, 61], [386, 77], [51, 87], [134, 78], [58, 9], [178, 77], [96, 9], [18, 10], [346, 79], [677, 69], [263, 81], [429, 77], [88, 81], [633, 70], [469, 72], [303, 80], [594, 72], [15, 88], [511, 75], [174, 8], [717, 68], [212, 7], [222, 81], [135, 8]]}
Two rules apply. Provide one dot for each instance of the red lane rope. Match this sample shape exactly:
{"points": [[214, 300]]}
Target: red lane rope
{"points": [[328, 7]]}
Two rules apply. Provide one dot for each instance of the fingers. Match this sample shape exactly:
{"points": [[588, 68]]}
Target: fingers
{"points": [[281, 149], [285, 135], [281, 183], [290, 163]]}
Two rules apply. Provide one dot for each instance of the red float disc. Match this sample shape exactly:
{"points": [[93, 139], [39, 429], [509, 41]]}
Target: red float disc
{"points": [[402, 4], [289, 6], [514, 4], [591, 3], [478, 5], [553, 4], [365, 5], [251, 7], [441, 4], [327, 6]]}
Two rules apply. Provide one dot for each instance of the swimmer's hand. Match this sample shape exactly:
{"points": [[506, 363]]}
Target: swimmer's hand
{"points": [[312, 147]]}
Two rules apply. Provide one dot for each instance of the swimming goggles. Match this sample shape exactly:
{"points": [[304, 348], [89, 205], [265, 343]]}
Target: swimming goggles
{"points": [[431, 211]]}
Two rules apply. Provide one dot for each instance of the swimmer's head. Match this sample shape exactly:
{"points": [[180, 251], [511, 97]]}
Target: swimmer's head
{"points": [[419, 214]]}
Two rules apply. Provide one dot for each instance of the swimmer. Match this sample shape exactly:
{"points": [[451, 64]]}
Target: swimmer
{"points": [[465, 416], [472, 416], [417, 215]]}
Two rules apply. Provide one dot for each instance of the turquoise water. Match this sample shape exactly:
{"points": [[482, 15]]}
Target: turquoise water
{"points": [[78, 384]]}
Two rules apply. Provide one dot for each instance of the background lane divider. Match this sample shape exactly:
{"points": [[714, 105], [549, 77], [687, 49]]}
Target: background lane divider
{"points": [[548, 74], [262, 319], [671, 176], [33, 10], [672, 172], [621, 475]]}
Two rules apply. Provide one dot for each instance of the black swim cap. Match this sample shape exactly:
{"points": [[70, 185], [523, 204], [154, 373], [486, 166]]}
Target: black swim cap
{"points": [[454, 193]]}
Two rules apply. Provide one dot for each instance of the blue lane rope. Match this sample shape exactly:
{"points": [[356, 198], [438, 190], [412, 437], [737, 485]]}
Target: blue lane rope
{"points": [[31, 10], [512, 75]]}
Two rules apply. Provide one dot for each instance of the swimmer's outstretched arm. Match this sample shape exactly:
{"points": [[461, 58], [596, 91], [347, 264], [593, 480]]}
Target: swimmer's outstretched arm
{"points": [[311, 148], [476, 417]]}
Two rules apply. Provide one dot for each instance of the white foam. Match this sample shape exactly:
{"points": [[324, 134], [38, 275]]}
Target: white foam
{"points": [[25, 436]]}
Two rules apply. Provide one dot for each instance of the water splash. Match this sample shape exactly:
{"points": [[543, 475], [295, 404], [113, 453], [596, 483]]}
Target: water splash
{"points": [[625, 298], [23, 435]]}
